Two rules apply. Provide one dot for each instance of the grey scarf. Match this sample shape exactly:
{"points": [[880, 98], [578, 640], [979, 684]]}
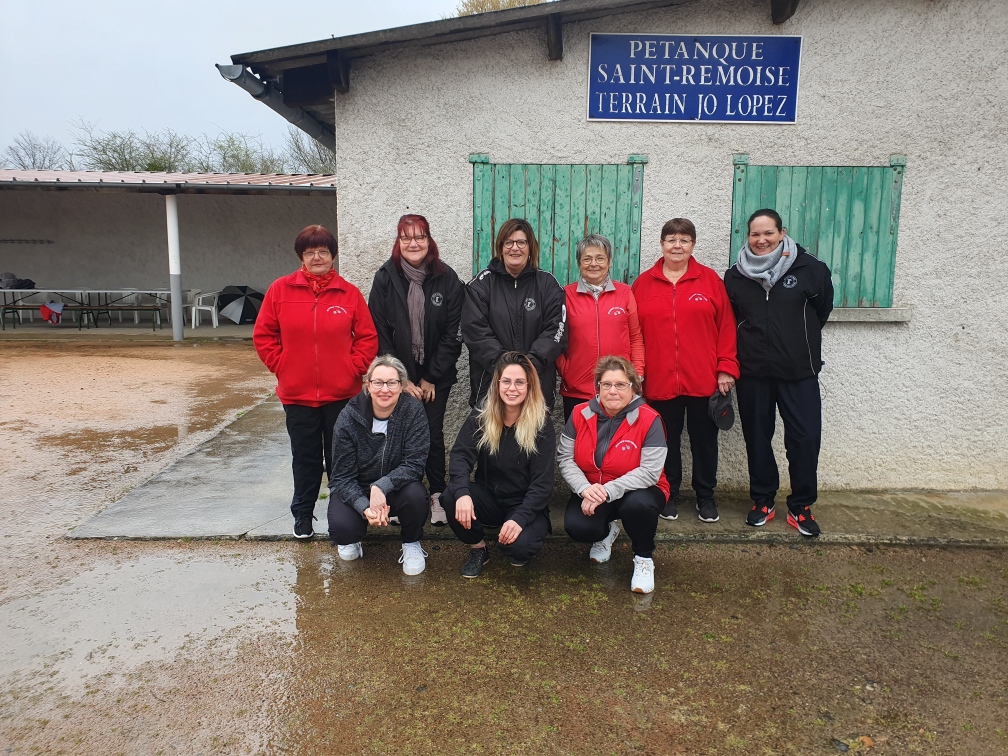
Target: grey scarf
{"points": [[596, 291], [767, 269], [415, 305]]}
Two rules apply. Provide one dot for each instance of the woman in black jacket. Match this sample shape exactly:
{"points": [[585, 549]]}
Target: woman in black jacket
{"points": [[501, 470], [782, 297], [380, 445], [416, 303], [513, 306]]}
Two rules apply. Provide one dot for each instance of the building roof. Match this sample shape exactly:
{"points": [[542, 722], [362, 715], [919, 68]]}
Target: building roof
{"points": [[169, 183], [309, 74]]}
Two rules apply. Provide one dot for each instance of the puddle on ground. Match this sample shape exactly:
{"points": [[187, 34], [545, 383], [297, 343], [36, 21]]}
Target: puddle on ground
{"points": [[116, 617]]}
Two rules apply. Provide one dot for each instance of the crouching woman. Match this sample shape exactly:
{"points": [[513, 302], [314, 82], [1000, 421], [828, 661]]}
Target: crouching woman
{"points": [[380, 446], [612, 455], [500, 471]]}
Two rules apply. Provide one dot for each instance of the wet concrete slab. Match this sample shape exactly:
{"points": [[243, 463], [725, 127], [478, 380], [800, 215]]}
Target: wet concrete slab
{"points": [[238, 485]]}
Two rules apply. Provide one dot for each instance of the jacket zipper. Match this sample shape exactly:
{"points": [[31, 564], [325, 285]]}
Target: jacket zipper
{"points": [[318, 386], [675, 332]]}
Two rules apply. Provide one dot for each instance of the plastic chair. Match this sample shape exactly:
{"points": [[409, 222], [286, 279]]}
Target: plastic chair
{"points": [[206, 302]]}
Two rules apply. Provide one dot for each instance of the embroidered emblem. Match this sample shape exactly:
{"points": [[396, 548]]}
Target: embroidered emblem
{"points": [[790, 281], [697, 297], [617, 311], [626, 445], [437, 299], [336, 310], [530, 304]]}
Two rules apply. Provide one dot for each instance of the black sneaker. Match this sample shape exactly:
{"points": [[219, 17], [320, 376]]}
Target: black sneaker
{"points": [[303, 526], [707, 510], [803, 520], [671, 511], [760, 514], [474, 564]]}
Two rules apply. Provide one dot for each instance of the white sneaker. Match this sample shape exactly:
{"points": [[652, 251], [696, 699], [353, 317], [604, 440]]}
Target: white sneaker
{"points": [[350, 552], [437, 514], [412, 559], [602, 550], [643, 575]]}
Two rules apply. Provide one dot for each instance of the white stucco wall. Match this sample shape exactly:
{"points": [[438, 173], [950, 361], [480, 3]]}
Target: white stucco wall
{"points": [[906, 405], [109, 240]]}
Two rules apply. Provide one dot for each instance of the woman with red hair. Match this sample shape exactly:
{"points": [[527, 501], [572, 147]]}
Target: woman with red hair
{"points": [[314, 332], [416, 303]]}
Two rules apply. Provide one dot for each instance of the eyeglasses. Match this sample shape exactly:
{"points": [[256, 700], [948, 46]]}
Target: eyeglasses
{"points": [[378, 385], [322, 253], [594, 260], [518, 383], [419, 239], [619, 385], [515, 243], [683, 240]]}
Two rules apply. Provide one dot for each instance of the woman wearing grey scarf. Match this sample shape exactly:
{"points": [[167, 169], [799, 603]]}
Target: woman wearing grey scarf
{"points": [[416, 303], [782, 297]]}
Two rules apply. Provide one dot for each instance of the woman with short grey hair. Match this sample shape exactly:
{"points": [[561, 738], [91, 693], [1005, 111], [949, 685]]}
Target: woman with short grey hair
{"points": [[380, 446], [601, 320]]}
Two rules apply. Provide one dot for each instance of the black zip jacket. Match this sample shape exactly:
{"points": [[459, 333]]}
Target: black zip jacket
{"points": [[780, 331], [389, 460], [511, 476], [443, 296], [526, 314]]}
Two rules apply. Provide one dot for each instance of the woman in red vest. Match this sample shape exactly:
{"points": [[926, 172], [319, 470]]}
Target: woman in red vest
{"points": [[612, 455], [689, 336], [601, 320], [314, 332]]}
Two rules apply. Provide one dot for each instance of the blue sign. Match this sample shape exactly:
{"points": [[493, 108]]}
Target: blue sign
{"points": [[678, 77]]}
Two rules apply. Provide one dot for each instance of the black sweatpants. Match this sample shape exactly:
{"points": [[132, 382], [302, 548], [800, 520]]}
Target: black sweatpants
{"points": [[638, 510], [311, 433], [492, 513], [409, 504], [801, 410], [703, 438], [435, 468]]}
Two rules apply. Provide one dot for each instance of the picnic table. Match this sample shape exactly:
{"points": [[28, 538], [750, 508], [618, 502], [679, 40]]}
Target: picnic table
{"points": [[88, 303]]}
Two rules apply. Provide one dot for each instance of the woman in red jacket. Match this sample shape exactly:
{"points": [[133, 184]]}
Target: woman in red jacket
{"points": [[601, 320], [689, 338], [314, 332]]}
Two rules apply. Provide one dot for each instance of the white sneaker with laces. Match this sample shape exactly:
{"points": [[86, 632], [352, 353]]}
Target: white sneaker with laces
{"points": [[413, 558], [643, 575], [437, 514], [602, 550], [350, 551]]}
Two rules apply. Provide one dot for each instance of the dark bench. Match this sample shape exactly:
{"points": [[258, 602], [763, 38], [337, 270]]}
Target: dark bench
{"points": [[86, 312]]}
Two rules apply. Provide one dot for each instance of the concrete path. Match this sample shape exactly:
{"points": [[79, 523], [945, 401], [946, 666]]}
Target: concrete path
{"points": [[238, 485]]}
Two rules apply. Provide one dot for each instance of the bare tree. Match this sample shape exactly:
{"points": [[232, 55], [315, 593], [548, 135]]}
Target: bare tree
{"points": [[307, 155], [472, 7], [30, 152], [236, 153], [128, 151]]}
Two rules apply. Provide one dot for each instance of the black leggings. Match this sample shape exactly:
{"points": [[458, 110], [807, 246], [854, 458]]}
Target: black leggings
{"points": [[703, 438], [409, 504], [492, 513], [436, 456], [311, 431], [638, 510]]}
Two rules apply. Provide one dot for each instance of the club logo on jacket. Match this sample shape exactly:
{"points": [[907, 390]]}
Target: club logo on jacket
{"points": [[437, 299], [626, 445], [697, 297], [617, 311], [336, 310], [790, 281], [530, 304]]}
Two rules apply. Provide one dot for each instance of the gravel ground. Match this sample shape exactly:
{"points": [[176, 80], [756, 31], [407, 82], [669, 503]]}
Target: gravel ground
{"points": [[268, 647]]}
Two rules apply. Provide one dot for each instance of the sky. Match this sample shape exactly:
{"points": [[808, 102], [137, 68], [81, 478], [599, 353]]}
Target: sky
{"points": [[149, 65]]}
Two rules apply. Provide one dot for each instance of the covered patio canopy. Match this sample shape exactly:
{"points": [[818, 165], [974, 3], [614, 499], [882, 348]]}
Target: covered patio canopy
{"points": [[170, 185]]}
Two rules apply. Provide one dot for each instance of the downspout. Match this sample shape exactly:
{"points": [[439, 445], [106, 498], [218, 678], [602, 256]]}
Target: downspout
{"points": [[270, 96]]}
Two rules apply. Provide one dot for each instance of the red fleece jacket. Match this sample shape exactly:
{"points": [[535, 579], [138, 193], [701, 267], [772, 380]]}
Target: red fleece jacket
{"points": [[689, 331], [318, 347]]}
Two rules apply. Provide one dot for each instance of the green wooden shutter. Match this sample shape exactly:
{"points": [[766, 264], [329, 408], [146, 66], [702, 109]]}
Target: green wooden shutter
{"points": [[847, 216], [564, 203]]}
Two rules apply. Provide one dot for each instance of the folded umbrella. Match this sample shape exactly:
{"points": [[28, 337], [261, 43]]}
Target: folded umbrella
{"points": [[239, 304]]}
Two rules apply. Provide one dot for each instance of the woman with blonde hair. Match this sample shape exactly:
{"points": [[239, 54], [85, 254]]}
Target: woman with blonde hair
{"points": [[500, 471]]}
